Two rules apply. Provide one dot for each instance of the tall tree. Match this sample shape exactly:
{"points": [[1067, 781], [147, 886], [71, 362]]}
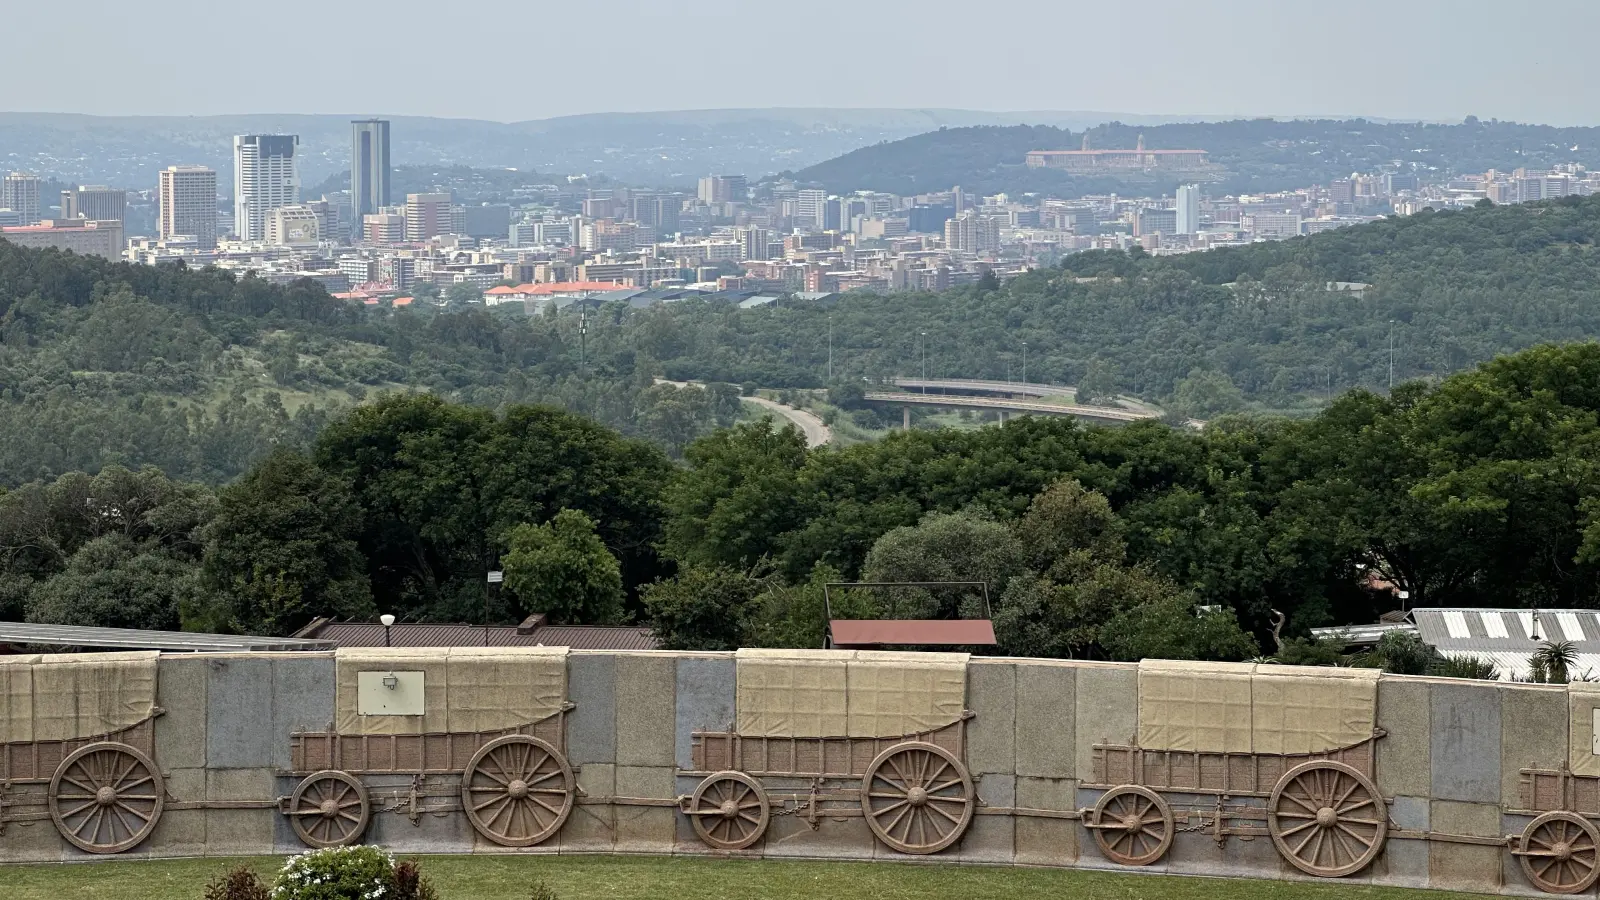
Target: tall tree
{"points": [[563, 569]]}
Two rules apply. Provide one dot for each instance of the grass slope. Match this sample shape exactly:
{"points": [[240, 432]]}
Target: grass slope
{"points": [[660, 878]]}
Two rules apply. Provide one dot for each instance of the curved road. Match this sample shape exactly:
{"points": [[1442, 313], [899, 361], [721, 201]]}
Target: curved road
{"points": [[812, 427]]}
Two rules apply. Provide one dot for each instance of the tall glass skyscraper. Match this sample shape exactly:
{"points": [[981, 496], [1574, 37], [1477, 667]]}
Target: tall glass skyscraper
{"points": [[264, 179], [369, 170]]}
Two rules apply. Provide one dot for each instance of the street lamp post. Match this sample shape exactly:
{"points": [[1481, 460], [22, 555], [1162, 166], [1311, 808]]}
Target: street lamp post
{"points": [[830, 348], [1024, 362], [388, 622], [1391, 354], [922, 343]]}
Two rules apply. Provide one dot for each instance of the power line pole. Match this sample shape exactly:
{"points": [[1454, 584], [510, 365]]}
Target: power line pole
{"points": [[922, 344], [830, 348], [1024, 362], [1391, 354]]}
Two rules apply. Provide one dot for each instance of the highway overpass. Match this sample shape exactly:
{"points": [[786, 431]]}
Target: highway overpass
{"points": [[1100, 414], [979, 386]]}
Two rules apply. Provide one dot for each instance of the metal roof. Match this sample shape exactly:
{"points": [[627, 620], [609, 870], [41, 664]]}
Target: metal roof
{"points": [[848, 633], [1507, 630], [421, 634], [133, 639]]}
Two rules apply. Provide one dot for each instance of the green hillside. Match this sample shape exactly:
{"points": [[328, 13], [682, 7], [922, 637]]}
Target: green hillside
{"points": [[1210, 331], [203, 374], [1255, 154]]}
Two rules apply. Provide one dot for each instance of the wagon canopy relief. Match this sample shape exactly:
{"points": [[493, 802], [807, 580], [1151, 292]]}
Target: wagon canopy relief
{"points": [[78, 726], [879, 735], [482, 724], [1301, 738]]}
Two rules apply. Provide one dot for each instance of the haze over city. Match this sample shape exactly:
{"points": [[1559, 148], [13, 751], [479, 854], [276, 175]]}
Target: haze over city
{"points": [[504, 60]]}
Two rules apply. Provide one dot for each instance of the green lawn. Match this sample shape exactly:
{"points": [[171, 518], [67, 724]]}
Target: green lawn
{"points": [[664, 878]]}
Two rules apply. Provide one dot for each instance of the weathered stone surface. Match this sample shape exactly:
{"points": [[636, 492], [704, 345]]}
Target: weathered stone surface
{"points": [[592, 724], [181, 730], [1047, 841], [1107, 712], [991, 839], [1533, 734], [1466, 742], [705, 698], [992, 733], [1405, 713], [1046, 723], [1465, 866], [239, 712], [302, 700], [646, 709]]}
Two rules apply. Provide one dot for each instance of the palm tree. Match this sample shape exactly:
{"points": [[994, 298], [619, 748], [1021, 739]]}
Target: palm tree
{"points": [[1552, 663]]}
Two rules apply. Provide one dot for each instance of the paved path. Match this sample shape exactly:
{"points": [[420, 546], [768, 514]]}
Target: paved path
{"points": [[812, 427]]}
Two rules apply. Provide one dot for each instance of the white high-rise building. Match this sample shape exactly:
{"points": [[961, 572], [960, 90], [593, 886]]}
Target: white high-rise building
{"points": [[19, 192], [810, 209], [264, 179], [189, 204], [1188, 209]]}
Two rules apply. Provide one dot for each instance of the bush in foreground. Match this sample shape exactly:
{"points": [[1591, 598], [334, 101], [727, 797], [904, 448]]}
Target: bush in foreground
{"points": [[337, 873]]}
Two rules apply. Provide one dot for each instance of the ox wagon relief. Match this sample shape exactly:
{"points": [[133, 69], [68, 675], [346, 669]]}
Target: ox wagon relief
{"points": [[484, 729], [877, 735], [77, 747]]}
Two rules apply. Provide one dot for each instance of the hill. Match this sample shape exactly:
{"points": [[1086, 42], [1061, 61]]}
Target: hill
{"points": [[202, 374], [1255, 154], [656, 148], [1205, 331]]}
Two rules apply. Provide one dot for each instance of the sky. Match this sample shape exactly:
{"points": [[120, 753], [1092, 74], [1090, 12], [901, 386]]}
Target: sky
{"points": [[510, 60]]}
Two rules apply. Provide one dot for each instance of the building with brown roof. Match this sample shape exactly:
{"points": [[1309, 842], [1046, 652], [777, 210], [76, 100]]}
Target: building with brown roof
{"points": [[533, 632]]}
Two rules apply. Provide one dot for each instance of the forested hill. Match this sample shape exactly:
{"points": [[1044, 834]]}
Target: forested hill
{"points": [[203, 374], [1256, 154], [1206, 331]]}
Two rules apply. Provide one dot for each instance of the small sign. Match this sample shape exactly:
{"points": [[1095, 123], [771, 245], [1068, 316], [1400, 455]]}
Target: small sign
{"points": [[496, 577]]}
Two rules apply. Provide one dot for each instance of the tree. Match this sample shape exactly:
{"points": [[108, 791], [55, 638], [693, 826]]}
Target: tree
{"points": [[1065, 519], [284, 549], [1553, 662], [1204, 394], [702, 608], [114, 582], [1170, 627], [739, 494], [563, 569], [462, 293], [964, 546], [425, 290]]}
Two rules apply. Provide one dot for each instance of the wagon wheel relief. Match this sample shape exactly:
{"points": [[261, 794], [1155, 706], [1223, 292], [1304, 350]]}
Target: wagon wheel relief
{"points": [[1327, 819], [1558, 853], [106, 797], [918, 798], [517, 790], [330, 809], [1132, 825], [729, 811]]}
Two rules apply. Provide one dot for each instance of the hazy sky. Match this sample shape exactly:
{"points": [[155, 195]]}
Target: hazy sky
{"points": [[523, 59]]}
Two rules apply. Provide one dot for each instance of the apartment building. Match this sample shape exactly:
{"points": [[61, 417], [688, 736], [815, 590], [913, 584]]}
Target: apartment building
{"points": [[188, 204]]}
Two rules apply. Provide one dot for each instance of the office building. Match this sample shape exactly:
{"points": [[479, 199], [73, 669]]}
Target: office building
{"points": [[428, 215], [724, 189], [264, 178], [1271, 225], [1188, 219], [1154, 221], [972, 233], [369, 170], [293, 226], [19, 192], [810, 209], [188, 204], [103, 239], [753, 243], [96, 202], [384, 228]]}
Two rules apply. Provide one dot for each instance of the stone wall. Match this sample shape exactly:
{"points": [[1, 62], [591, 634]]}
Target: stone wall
{"points": [[1449, 764]]}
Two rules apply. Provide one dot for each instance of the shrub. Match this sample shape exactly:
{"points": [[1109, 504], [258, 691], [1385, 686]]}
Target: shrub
{"points": [[337, 873], [411, 884], [542, 891], [238, 884]]}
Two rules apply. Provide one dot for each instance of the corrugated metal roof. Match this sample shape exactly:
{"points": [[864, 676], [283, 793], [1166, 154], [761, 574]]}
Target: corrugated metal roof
{"points": [[419, 634], [134, 639], [1507, 630], [846, 633], [1511, 666]]}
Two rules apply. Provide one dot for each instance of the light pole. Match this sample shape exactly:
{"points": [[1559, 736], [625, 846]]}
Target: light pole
{"points": [[1024, 362], [1391, 354], [922, 344], [388, 622], [583, 335], [830, 348]]}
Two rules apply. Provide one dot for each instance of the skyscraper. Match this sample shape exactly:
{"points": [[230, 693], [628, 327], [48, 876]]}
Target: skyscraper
{"points": [[264, 178], [189, 204], [1188, 209], [20, 193], [369, 170], [96, 203]]}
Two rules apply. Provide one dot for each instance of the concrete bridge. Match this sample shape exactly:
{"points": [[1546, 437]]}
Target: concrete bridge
{"points": [[1101, 414], [982, 387]]}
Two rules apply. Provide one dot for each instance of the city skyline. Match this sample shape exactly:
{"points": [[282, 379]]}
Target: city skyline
{"points": [[1409, 60]]}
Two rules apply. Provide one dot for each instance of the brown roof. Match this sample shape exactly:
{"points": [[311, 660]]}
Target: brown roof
{"points": [[848, 633], [532, 633]]}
